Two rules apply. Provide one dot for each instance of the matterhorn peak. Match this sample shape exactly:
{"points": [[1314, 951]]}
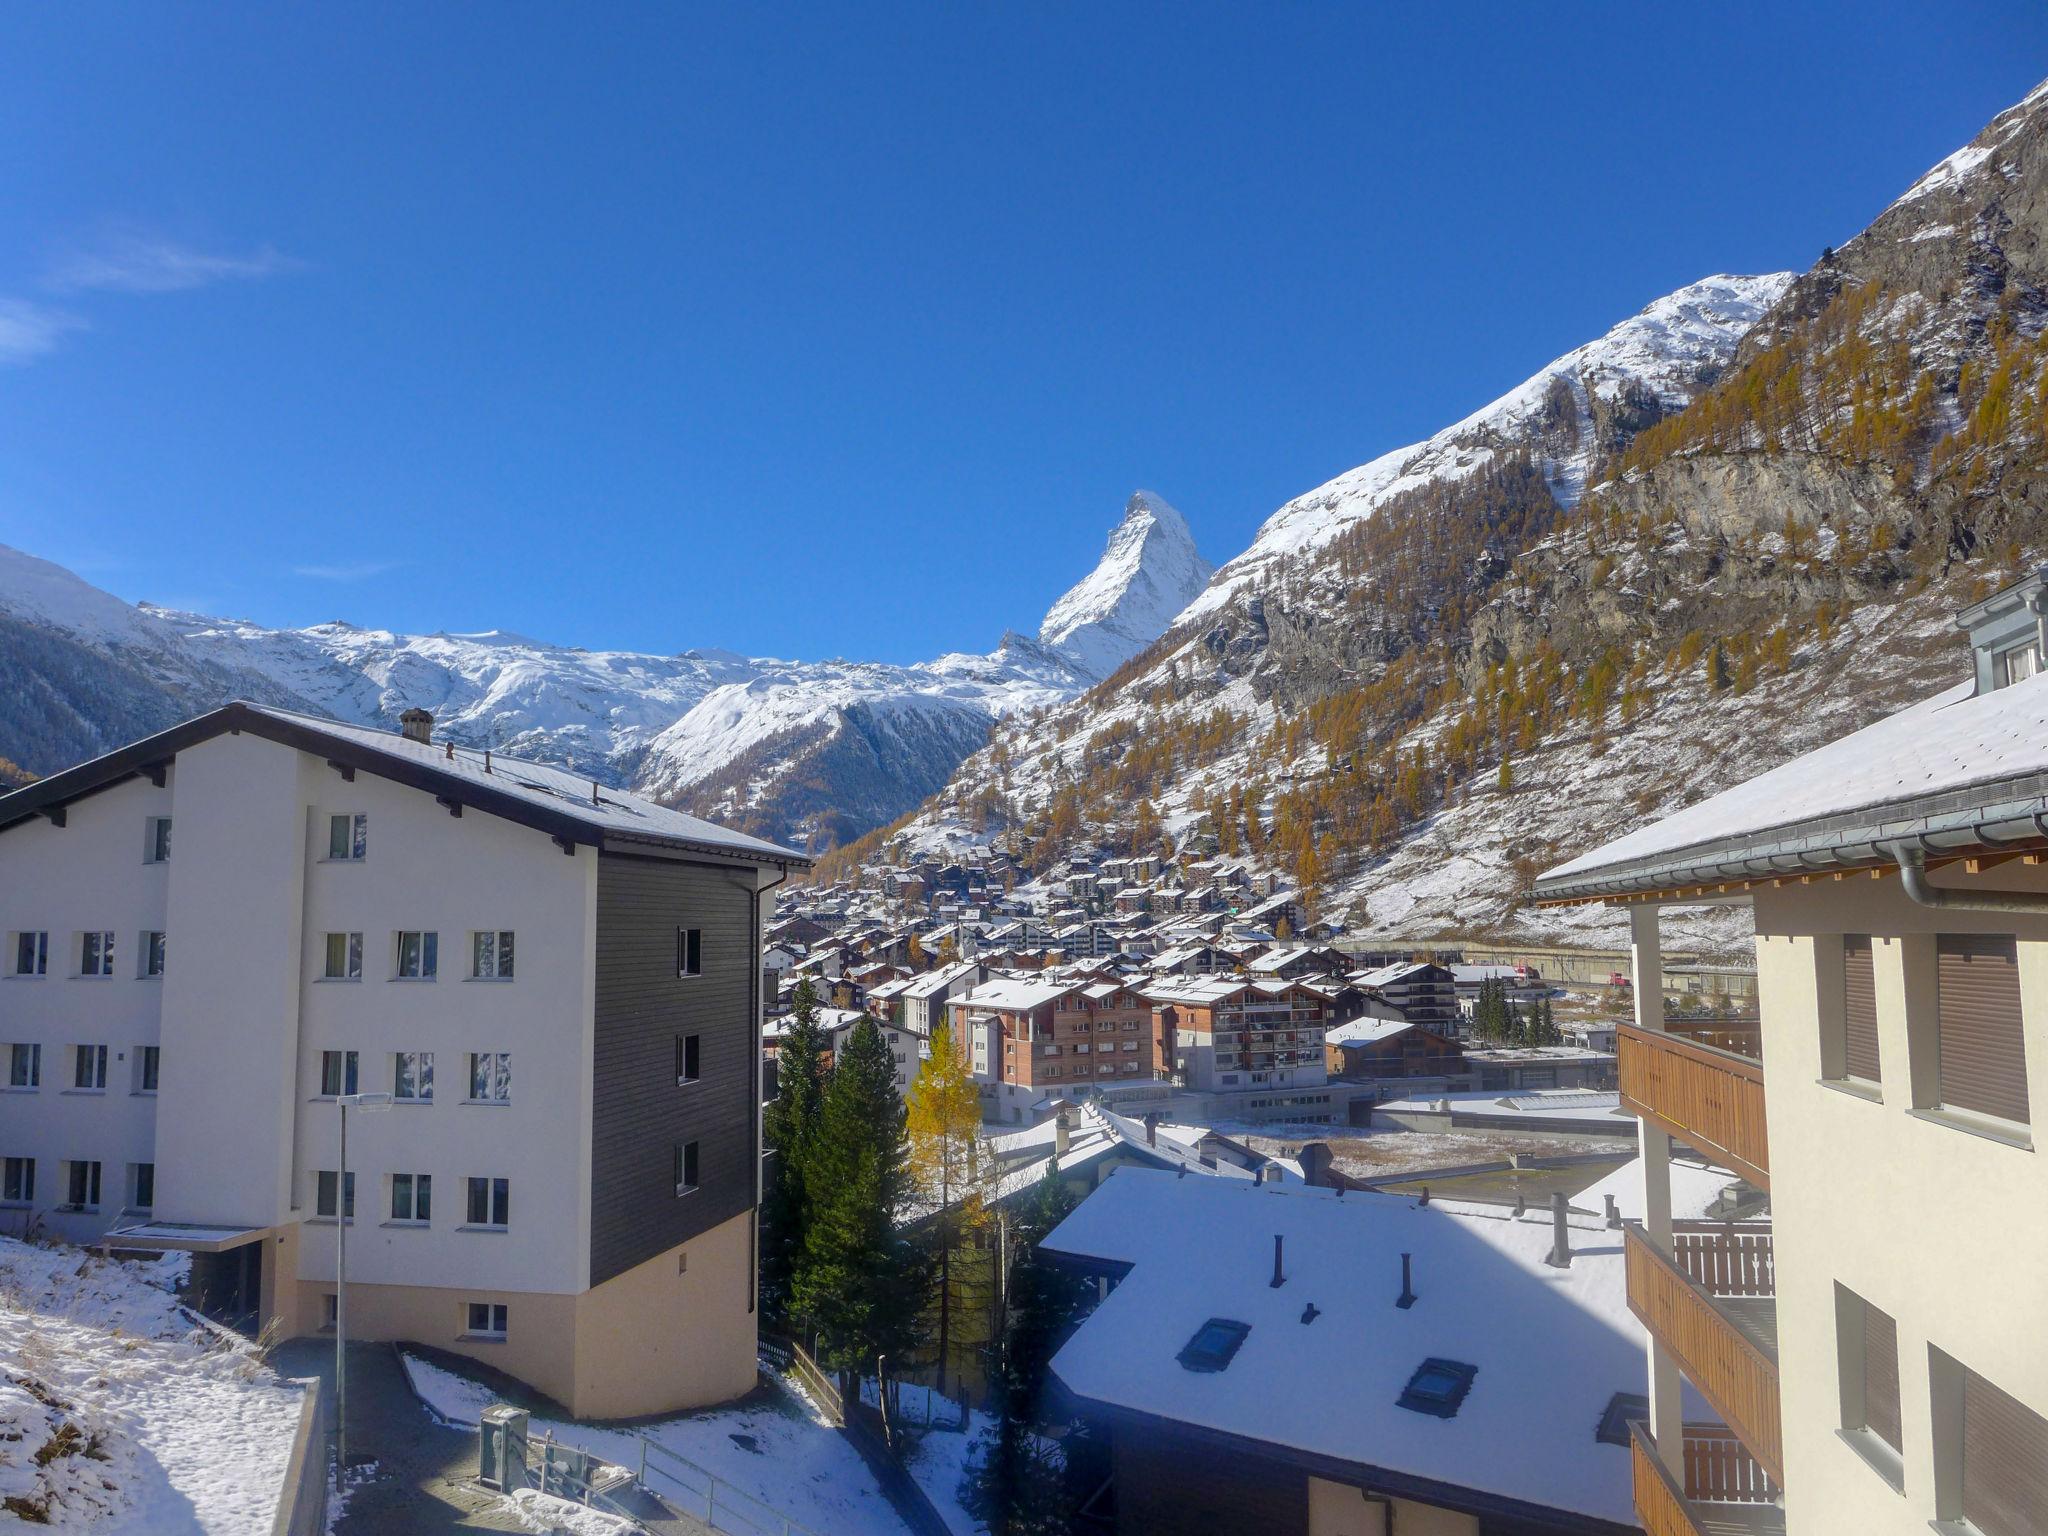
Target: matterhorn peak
{"points": [[1148, 573]]}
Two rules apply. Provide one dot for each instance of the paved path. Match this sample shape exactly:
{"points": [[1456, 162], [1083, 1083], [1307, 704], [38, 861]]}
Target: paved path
{"points": [[422, 1483]]}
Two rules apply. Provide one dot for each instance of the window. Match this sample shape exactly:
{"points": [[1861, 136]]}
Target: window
{"points": [[490, 955], [83, 1192], [330, 1309], [344, 957], [18, 1180], [146, 1065], [686, 1167], [490, 1077], [2016, 664], [486, 1320], [1438, 1387], [1981, 1054], [96, 954], [686, 1059], [418, 956], [1991, 1455], [1214, 1344], [1867, 1345], [490, 1202], [689, 951], [323, 1194], [337, 1073], [152, 954], [158, 847], [412, 1077], [31, 954], [412, 1197], [347, 837], [1858, 1041], [141, 1186], [24, 1066], [89, 1068]]}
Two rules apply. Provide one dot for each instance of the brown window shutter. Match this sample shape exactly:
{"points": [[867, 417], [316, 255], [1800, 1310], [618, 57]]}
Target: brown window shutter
{"points": [[1982, 1048], [2005, 1462], [1881, 1377], [1859, 1009]]}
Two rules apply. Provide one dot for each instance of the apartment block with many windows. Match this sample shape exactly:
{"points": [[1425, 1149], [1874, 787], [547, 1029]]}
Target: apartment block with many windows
{"points": [[1876, 1352], [213, 936]]}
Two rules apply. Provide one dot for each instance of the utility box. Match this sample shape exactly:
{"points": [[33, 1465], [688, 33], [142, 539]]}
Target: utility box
{"points": [[501, 1449]]}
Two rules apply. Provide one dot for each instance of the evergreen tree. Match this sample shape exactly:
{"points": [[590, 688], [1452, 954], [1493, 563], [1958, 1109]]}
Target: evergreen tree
{"points": [[1018, 1487], [790, 1130], [947, 1159], [858, 1279]]}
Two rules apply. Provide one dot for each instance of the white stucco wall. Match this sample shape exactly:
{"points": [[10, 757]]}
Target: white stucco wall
{"points": [[1940, 1228]]}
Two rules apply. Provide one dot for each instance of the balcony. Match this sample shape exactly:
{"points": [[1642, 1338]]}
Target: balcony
{"points": [[1711, 1301], [1709, 1098], [1724, 1491]]}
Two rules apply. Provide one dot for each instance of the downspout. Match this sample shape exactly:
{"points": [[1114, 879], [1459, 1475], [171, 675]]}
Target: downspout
{"points": [[1913, 877], [754, 1103]]}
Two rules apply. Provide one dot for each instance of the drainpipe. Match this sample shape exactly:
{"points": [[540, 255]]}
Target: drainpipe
{"points": [[1913, 877]]}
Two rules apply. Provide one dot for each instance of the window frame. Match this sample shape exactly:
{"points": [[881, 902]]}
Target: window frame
{"points": [[88, 1068], [347, 1077], [1853, 1316], [688, 1168], [689, 953], [154, 949], [423, 1076], [149, 1068], [355, 825], [497, 1319], [31, 953], [425, 961], [88, 1171], [350, 960], [156, 840], [689, 1059], [17, 1181], [505, 1057], [418, 1201], [496, 1190], [96, 950], [31, 1052], [140, 1174], [326, 1181], [504, 954]]}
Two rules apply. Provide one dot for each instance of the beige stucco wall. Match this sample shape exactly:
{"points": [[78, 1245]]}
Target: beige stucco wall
{"points": [[661, 1338], [1941, 1228]]}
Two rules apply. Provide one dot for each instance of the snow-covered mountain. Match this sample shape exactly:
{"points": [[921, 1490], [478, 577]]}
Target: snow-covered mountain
{"points": [[1568, 415], [801, 750], [1149, 573]]}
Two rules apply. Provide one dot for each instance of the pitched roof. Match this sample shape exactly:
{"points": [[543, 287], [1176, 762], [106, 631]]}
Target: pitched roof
{"points": [[1552, 1346], [567, 806], [1961, 769]]}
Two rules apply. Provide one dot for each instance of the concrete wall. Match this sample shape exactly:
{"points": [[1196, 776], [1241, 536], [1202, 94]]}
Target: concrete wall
{"points": [[1940, 1227]]}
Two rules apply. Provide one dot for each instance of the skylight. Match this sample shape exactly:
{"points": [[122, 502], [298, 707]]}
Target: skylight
{"points": [[1438, 1387], [1213, 1345]]}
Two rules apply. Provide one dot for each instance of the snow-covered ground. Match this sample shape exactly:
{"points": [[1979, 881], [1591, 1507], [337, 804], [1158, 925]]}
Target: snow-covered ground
{"points": [[119, 1412], [781, 1454]]}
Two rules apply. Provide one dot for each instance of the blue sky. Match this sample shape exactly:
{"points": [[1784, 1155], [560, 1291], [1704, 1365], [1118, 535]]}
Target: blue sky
{"points": [[846, 331]]}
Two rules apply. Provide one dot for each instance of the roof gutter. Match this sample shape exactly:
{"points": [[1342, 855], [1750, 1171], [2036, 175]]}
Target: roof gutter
{"points": [[1913, 878]]}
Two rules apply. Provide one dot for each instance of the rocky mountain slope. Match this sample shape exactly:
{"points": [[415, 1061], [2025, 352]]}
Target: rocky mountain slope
{"points": [[1732, 528], [1150, 572], [812, 752]]}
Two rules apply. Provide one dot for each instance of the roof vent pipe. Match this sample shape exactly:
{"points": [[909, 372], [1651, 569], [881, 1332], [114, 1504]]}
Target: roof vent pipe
{"points": [[1613, 1212], [1913, 877], [1279, 1274], [1062, 1129], [1407, 1297], [1561, 1237]]}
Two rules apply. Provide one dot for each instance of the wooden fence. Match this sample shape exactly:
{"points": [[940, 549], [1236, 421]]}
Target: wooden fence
{"points": [[1725, 1258]]}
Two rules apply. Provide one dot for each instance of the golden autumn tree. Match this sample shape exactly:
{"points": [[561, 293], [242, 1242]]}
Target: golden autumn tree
{"points": [[951, 1167]]}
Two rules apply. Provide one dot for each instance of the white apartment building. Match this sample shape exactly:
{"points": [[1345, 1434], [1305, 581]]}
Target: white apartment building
{"points": [[213, 934], [1877, 1350]]}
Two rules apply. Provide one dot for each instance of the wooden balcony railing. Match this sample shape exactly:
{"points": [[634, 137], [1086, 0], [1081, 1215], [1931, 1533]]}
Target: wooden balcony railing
{"points": [[1743, 1037], [1726, 1258], [1666, 1509], [1730, 1369], [1712, 1100]]}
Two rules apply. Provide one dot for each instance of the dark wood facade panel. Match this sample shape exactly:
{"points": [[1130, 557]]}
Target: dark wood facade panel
{"points": [[639, 1113]]}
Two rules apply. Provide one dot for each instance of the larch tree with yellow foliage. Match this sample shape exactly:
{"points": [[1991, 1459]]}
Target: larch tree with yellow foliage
{"points": [[951, 1167]]}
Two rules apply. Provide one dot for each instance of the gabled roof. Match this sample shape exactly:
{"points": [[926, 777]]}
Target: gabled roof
{"points": [[565, 805]]}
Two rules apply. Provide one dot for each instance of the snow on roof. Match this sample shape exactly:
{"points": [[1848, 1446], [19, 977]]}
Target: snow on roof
{"points": [[1016, 993], [1556, 1103], [1694, 1189], [1551, 1346], [831, 1020], [1390, 975], [1368, 1031], [1951, 744], [542, 784]]}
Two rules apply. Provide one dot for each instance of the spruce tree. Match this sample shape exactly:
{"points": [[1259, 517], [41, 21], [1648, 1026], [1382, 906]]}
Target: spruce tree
{"points": [[859, 1280], [790, 1129]]}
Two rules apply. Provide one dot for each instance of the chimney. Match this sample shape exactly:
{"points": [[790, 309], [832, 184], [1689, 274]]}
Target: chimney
{"points": [[1613, 1212], [1152, 1128], [1561, 1237], [1279, 1274], [416, 725], [1407, 1297], [1062, 1127], [1315, 1161]]}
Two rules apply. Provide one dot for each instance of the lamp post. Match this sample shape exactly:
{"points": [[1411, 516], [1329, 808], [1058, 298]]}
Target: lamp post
{"points": [[366, 1103]]}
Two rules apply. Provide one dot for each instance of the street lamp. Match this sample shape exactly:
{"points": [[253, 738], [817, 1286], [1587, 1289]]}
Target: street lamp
{"points": [[365, 1103]]}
